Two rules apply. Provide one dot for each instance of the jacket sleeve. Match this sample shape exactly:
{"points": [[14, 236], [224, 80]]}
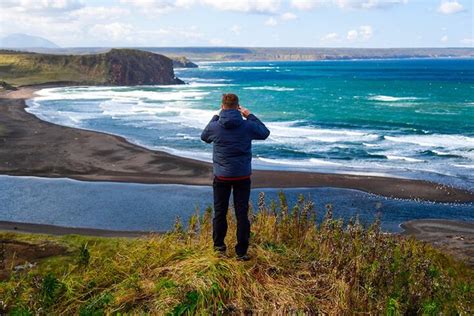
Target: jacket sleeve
{"points": [[258, 129], [206, 134]]}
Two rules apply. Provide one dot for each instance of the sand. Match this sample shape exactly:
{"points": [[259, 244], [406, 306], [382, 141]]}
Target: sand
{"points": [[456, 237]]}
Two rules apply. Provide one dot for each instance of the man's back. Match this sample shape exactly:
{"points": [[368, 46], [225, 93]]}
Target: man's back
{"points": [[232, 138]]}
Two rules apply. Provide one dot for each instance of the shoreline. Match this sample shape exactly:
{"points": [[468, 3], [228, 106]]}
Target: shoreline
{"points": [[450, 236], [32, 147]]}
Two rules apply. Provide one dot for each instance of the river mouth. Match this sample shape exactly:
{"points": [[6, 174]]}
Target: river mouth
{"points": [[155, 207]]}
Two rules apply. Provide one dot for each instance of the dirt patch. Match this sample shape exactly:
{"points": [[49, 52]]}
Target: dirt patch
{"points": [[19, 255]]}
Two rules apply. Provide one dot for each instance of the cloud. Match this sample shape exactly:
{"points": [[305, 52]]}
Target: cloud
{"points": [[42, 6], [468, 41], [113, 31], [154, 6], [444, 39], [236, 29], [100, 13], [248, 6], [287, 16], [271, 21], [330, 37], [363, 33], [450, 7], [347, 4]]}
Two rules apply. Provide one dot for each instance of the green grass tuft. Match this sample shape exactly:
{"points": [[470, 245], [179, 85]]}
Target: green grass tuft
{"points": [[298, 266]]}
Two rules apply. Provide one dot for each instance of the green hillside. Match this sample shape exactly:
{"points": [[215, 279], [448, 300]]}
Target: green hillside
{"points": [[116, 67], [297, 268]]}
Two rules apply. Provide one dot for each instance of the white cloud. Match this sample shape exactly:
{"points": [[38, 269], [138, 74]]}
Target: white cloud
{"points": [[444, 39], [450, 7], [330, 37], [288, 16], [306, 4], [468, 41], [153, 6], [346, 4], [271, 21], [245, 6], [100, 13], [352, 35], [249, 6], [363, 33], [236, 29], [42, 6], [113, 31]]}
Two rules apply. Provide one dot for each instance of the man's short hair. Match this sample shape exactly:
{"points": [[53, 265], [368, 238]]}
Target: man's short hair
{"points": [[230, 101]]}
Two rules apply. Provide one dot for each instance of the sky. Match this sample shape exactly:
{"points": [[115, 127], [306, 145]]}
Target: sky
{"points": [[249, 23]]}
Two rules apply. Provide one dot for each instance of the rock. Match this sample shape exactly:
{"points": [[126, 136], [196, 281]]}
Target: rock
{"points": [[135, 67], [182, 62]]}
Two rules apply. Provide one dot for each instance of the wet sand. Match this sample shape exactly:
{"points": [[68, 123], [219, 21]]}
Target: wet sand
{"points": [[456, 237], [32, 147]]}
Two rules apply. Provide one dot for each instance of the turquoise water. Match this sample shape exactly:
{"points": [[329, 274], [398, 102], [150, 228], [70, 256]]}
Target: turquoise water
{"points": [[407, 118]]}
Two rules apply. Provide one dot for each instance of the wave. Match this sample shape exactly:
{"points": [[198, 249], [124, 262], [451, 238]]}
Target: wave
{"points": [[270, 88], [389, 157], [286, 132], [299, 163], [119, 94], [435, 140], [387, 98]]}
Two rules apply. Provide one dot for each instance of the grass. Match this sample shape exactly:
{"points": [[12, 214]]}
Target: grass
{"points": [[24, 68], [298, 267]]}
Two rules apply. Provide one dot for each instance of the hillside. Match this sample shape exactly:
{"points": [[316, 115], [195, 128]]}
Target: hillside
{"points": [[115, 67], [297, 268]]}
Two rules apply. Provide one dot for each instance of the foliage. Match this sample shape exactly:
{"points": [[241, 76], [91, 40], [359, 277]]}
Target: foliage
{"points": [[298, 266]]}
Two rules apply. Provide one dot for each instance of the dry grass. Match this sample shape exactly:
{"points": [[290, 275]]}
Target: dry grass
{"points": [[297, 267]]}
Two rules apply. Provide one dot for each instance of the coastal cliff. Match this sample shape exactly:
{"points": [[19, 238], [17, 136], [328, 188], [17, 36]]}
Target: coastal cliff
{"points": [[115, 67], [182, 62]]}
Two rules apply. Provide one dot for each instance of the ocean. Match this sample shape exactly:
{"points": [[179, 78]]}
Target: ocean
{"points": [[411, 118]]}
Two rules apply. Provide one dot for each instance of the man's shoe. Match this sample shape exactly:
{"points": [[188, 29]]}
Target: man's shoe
{"points": [[221, 254], [245, 257]]}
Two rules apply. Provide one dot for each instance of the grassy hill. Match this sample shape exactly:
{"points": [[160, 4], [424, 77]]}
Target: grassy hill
{"points": [[115, 67], [297, 267]]}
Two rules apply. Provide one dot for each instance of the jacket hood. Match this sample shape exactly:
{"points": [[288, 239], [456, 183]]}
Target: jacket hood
{"points": [[230, 118]]}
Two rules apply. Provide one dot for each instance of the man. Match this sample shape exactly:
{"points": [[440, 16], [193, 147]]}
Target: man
{"points": [[232, 155]]}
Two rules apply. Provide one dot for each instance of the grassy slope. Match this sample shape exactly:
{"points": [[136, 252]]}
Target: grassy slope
{"points": [[297, 266], [24, 68]]}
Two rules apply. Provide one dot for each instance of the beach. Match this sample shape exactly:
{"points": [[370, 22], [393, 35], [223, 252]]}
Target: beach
{"points": [[33, 147]]}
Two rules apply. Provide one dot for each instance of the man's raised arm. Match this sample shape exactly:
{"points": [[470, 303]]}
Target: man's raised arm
{"points": [[259, 130]]}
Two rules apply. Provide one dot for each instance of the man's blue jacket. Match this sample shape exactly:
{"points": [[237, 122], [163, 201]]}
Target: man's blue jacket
{"points": [[232, 137]]}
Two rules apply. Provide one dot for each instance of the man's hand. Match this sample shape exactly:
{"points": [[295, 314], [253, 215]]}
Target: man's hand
{"points": [[245, 112]]}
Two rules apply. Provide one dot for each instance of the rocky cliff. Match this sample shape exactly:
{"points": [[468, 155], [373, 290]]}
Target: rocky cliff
{"points": [[115, 67], [182, 62]]}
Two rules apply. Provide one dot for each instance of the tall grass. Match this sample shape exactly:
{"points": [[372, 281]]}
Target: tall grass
{"points": [[298, 267]]}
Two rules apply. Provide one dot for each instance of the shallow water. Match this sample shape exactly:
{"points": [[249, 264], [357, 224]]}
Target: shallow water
{"points": [[125, 206]]}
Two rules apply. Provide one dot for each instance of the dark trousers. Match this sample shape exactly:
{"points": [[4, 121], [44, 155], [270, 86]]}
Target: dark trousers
{"points": [[222, 190]]}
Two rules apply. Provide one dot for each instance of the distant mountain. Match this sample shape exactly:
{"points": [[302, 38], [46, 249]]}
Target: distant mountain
{"points": [[19, 40]]}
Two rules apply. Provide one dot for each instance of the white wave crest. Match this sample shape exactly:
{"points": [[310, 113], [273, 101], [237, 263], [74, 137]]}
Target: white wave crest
{"points": [[387, 98], [270, 88]]}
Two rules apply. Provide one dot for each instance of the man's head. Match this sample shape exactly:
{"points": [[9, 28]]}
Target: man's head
{"points": [[230, 101]]}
